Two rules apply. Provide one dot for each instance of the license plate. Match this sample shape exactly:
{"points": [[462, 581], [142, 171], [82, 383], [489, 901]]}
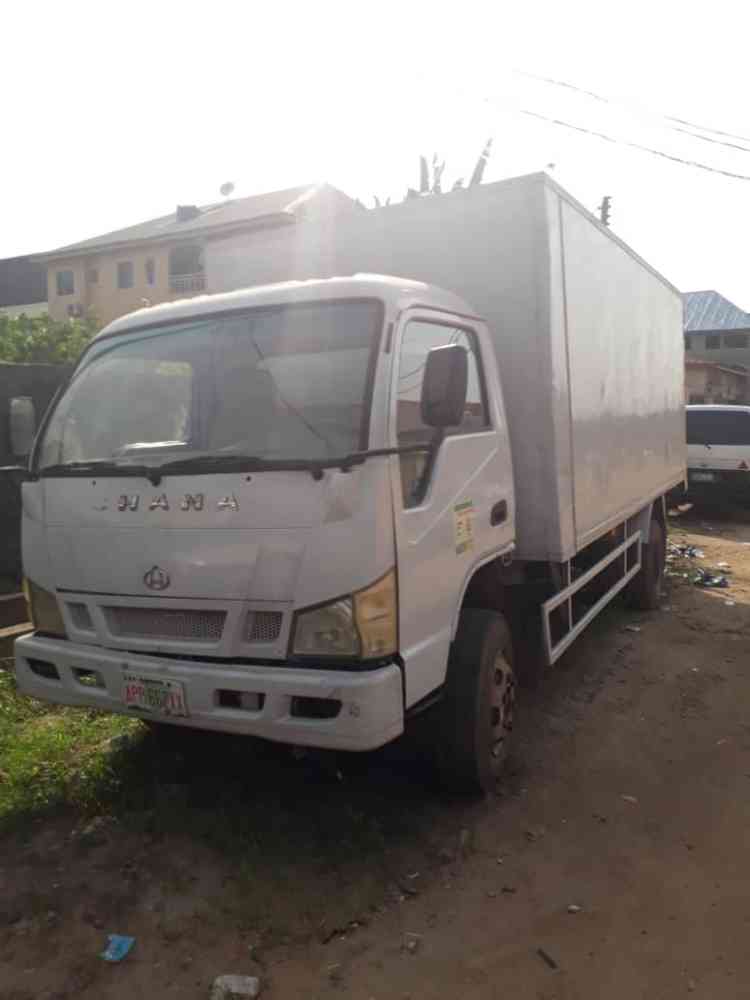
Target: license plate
{"points": [[152, 694], [702, 477]]}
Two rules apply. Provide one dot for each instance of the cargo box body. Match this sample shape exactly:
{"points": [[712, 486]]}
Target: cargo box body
{"points": [[588, 338]]}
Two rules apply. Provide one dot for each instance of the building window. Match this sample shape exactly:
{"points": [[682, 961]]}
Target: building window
{"points": [[713, 342], [125, 274], [688, 344], [92, 276], [735, 340], [150, 271], [186, 268], [419, 338], [66, 284]]}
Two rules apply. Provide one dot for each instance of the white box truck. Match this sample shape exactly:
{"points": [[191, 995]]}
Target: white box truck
{"points": [[311, 511]]}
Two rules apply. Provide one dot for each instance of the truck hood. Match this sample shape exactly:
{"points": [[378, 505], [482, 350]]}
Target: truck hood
{"points": [[230, 537]]}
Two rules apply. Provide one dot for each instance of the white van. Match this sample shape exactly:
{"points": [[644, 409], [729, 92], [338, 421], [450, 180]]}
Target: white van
{"points": [[718, 453]]}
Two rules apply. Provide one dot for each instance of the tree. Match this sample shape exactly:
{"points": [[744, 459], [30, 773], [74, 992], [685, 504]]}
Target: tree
{"points": [[40, 339]]}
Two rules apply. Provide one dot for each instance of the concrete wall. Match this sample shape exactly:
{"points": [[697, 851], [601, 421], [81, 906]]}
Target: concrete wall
{"points": [[32, 309], [40, 382]]}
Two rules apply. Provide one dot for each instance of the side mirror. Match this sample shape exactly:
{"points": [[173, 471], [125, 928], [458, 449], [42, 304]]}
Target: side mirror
{"points": [[22, 421], [444, 386]]}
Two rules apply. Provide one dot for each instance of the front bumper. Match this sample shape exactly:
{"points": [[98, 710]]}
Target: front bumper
{"points": [[371, 713]]}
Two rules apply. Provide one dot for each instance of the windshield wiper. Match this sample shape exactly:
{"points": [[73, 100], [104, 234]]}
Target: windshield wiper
{"points": [[255, 463], [101, 467]]}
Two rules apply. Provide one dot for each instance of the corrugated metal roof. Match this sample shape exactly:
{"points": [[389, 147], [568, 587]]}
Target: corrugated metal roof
{"points": [[711, 311], [221, 214]]}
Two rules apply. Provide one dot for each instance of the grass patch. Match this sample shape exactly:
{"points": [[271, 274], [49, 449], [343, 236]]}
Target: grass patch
{"points": [[52, 756]]}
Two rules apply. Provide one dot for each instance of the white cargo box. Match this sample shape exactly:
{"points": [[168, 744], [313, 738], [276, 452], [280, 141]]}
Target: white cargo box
{"points": [[588, 338]]}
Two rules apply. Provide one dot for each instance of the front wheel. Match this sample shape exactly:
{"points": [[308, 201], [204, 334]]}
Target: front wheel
{"points": [[475, 721]]}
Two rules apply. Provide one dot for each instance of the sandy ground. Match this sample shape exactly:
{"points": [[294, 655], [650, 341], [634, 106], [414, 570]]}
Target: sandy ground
{"points": [[628, 798]]}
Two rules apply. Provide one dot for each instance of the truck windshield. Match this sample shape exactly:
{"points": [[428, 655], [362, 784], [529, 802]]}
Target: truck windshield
{"points": [[281, 383]]}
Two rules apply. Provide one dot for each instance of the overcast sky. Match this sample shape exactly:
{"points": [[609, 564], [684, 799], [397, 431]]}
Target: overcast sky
{"points": [[112, 114]]}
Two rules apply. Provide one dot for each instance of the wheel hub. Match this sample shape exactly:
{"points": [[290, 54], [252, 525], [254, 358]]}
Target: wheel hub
{"points": [[502, 702]]}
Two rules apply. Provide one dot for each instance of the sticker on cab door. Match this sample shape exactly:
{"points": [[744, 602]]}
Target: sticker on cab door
{"points": [[463, 526]]}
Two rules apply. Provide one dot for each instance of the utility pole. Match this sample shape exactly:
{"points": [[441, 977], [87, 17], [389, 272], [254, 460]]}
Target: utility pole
{"points": [[604, 210]]}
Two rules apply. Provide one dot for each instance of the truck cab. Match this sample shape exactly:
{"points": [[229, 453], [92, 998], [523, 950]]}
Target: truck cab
{"points": [[261, 512]]}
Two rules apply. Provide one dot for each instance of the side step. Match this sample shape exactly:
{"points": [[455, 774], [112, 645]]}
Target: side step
{"points": [[553, 652]]}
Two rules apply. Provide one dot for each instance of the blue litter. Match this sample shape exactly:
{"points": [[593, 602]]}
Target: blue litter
{"points": [[118, 946]]}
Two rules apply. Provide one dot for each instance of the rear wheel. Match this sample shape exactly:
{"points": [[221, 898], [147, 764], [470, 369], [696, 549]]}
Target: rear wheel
{"points": [[475, 720], [644, 593]]}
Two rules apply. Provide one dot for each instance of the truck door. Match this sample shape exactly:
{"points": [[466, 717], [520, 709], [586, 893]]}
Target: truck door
{"points": [[458, 514]]}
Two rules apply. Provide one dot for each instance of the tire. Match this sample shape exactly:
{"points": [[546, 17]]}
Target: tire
{"points": [[644, 593], [475, 721], [529, 663]]}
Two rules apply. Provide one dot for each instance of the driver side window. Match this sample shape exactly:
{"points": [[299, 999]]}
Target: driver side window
{"points": [[420, 337]]}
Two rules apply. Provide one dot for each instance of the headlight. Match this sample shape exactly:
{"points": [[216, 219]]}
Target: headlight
{"points": [[44, 611], [364, 625]]}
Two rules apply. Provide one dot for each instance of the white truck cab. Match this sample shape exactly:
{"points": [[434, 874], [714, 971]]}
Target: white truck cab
{"points": [[207, 539], [292, 511]]}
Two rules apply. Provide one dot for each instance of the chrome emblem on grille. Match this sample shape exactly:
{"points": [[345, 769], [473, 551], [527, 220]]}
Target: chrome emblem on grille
{"points": [[159, 503], [156, 578], [194, 500], [228, 503], [189, 501]]}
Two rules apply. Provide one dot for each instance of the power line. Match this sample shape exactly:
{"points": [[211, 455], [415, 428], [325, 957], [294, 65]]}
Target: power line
{"points": [[707, 138], [680, 121], [634, 145], [705, 128]]}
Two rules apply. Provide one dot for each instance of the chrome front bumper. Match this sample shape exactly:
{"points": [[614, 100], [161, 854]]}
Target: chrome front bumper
{"points": [[371, 712]]}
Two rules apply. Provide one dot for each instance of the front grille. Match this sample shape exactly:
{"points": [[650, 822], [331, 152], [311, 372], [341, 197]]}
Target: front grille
{"points": [[263, 626], [166, 623]]}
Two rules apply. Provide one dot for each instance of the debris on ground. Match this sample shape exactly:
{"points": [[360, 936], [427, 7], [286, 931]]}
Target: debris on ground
{"points": [[118, 946], [412, 943], [546, 957], [630, 798], [633, 628], [686, 551], [509, 889], [729, 604], [705, 578], [574, 908], [334, 973], [235, 988]]}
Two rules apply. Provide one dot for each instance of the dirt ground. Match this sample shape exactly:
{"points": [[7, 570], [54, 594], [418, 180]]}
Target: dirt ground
{"points": [[627, 800]]}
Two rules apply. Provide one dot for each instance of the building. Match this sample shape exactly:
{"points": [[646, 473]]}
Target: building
{"points": [[707, 382], [716, 329], [165, 258], [23, 287]]}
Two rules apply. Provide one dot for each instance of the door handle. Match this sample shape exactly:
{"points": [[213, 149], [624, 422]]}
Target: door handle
{"points": [[499, 513]]}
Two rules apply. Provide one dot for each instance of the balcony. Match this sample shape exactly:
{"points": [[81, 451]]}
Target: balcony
{"points": [[187, 283]]}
